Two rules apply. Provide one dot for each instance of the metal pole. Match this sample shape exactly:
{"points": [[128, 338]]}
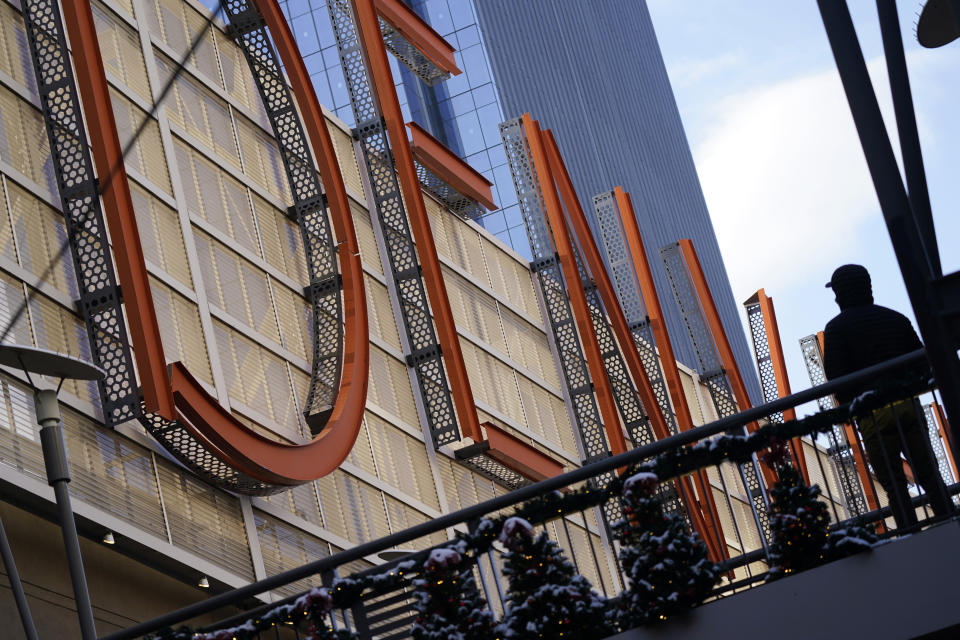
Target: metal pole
{"points": [[58, 475], [907, 130], [21, 599], [895, 205]]}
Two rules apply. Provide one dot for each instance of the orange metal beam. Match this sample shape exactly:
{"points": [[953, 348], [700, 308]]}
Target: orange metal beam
{"points": [[118, 206], [418, 33], [238, 445], [385, 93], [648, 293], [720, 339], [578, 299], [449, 167], [591, 254], [601, 278], [515, 454], [780, 374]]}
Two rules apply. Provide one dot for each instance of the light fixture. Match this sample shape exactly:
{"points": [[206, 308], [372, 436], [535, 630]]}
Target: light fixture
{"points": [[204, 583], [108, 538], [389, 555]]}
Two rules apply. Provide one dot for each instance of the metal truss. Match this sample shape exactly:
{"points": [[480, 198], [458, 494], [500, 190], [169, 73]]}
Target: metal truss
{"points": [[424, 354], [100, 301], [309, 209], [573, 365], [841, 449], [714, 376], [475, 458], [621, 269], [933, 429]]}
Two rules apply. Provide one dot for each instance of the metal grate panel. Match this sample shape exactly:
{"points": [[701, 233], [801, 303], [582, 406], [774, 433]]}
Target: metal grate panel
{"points": [[714, 376], [576, 377], [840, 450], [100, 301], [933, 429], [404, 269], [309, 208]]}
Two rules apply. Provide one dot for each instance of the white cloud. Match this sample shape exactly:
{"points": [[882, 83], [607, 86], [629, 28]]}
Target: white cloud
{"points": [[691, 71], [786, 182]]}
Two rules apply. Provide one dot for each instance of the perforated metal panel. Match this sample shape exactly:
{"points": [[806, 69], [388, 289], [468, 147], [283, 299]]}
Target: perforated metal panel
{"points": [[411, 56], [933, 429], [452, 199], [621, 269], [402, 265], [576, 376], [100, 301], [309, 208], [713, 376], [840, 450]]}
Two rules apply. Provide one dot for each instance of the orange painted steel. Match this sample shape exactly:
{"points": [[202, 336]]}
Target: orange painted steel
{"points": [[668, 360], [941, 421], [780, 374], [449, 167], [517, 455], [578, 221], [578, 299], [385, 93], [720, 339], [118, 206], [591, 255], [234, 442], [418, 33]]}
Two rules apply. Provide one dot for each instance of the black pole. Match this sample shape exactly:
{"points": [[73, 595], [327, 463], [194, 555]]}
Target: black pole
{"points": [[907, 130], [895, 206], [58, 476], [23, 608]]}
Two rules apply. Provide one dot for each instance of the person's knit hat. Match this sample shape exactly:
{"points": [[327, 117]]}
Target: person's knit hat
{"points": [[850, 277]]}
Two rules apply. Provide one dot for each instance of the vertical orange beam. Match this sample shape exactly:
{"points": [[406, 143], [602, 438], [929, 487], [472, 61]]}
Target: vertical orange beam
{"points": [[945, 436], [578, 298], [385, 92], [720, 339], [780, 374], [578, 221], [118, 206], [648, 293]]}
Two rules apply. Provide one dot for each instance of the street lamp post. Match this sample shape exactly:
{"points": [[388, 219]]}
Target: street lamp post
{"points": [[59, 367]]}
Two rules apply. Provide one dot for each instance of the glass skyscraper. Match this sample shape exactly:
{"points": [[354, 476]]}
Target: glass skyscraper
{"points": [[590, 71]]}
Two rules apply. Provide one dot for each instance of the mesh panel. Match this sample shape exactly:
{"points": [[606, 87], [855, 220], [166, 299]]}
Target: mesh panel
{"points": [[180, 331], [14, 58], [474, 310], [160, 235], [282, 244], [380, 312], [390, 386], [402, 460], [23, 140], [40, 232]]}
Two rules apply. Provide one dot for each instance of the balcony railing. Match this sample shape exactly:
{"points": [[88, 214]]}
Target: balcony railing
{"points": [[378, 603]]}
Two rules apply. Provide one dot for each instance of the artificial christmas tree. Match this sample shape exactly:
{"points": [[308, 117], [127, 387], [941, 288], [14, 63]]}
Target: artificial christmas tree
{"points": [[546, 598], [449, 605], [668, 568], [798, 520]]}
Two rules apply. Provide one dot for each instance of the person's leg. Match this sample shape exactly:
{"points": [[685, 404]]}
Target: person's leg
{"points": [[883, 450]]}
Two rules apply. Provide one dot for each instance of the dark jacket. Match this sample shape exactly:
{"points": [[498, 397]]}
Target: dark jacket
{"points": [[863, 334]]}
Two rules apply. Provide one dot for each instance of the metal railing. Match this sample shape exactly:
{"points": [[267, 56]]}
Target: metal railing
{"points": [[391, 604]]}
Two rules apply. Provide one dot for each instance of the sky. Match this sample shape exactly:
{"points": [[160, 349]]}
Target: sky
{"points": [[778, 157]]}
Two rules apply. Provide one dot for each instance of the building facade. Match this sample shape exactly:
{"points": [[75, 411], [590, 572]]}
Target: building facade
{"points": [[593, 73], [227, 272]]}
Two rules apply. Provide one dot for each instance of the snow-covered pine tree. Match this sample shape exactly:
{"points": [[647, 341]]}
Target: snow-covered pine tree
{"points": [[449, 605], [798, 520], [668, 568], [546, 598]]}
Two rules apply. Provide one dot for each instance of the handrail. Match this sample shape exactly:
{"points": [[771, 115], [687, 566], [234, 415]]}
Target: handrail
{"points": [[467, 514]]}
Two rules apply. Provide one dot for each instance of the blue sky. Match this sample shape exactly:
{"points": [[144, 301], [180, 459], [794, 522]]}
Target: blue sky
{"points": [[778, 157]]}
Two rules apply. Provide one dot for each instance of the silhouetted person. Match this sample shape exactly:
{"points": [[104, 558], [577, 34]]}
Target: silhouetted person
{"points": [[865, 334]]}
